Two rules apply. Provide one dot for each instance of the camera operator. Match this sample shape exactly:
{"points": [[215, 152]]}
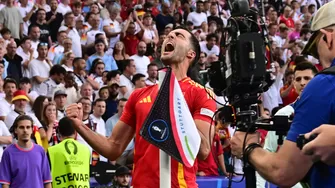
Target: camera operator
{"points": [[315, 107]]}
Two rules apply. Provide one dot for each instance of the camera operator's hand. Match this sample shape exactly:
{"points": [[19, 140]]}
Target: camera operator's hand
{"points": [[322, 148], [238, 139]]}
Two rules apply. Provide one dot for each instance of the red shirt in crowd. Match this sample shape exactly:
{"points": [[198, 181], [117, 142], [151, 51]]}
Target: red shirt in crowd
{"points": [[291, 97], [287, 21], [146, 155], [210, 166], [131, 42]]}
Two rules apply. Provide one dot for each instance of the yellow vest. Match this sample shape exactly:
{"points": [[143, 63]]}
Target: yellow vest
{"points": [[70, 164]]}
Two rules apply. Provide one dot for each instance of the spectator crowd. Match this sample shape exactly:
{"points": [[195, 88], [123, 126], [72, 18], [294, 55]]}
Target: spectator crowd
{"points": [[57, 52]]}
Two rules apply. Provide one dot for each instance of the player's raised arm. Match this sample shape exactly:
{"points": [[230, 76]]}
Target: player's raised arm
{"points": [[111, 147]]}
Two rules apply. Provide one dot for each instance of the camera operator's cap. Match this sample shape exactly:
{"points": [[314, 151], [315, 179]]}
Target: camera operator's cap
{"points": [[122, 170], [20, 94], [323, 18], [59, 93]]}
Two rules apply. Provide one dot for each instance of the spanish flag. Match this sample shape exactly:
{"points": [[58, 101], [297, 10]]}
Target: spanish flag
{"points": [[170, 125]]}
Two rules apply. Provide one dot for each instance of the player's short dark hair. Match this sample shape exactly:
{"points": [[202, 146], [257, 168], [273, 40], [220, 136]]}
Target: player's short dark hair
{"points": [[136, 77], [305, 66], [65, 127], [194, 44]]}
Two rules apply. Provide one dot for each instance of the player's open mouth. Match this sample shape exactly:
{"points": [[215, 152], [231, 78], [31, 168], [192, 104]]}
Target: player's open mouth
{"points": [[168, 48]]}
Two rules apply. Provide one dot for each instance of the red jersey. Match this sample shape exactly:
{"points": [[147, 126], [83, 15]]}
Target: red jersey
{"points": [[131, 42], [146, 155], [287, 21], [291, 97], [210, 166]]}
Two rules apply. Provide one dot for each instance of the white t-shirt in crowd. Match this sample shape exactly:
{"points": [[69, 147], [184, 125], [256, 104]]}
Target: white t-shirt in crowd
{"points": [[141, 64], [63, 9], [12, 115], [150, 83], [24, 12], [76, 44], [49, 87], [3, 132], [41, 69], [5, 107], [125, 82], [47, 8], [34, 45], [33, 95], [215, 50], [67, 68], [21, 53], [197, 18], [91, 36], [271, 98], [114, 26]]}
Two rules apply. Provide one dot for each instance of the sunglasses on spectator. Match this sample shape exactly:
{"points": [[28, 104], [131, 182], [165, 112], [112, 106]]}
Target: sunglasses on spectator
{"points": [[42, 44]]}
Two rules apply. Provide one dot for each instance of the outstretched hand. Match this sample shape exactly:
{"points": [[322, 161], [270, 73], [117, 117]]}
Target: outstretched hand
{"points": [[75, 113]]}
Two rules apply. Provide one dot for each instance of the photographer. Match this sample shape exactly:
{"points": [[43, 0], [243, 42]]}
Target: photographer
{"points": [[314, 108]]}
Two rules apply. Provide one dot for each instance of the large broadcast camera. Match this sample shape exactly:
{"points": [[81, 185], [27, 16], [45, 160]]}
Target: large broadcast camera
{"points": [[241, 74]]}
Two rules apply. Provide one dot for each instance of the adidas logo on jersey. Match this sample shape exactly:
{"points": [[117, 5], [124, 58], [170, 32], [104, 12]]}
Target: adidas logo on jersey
{"points": [[146, 100]]}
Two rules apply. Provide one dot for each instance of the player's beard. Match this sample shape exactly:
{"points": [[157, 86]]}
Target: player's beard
{"points": [[174, 57]]}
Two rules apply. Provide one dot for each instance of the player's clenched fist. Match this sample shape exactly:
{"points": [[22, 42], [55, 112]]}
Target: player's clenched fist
{"points": [[75, 113]]}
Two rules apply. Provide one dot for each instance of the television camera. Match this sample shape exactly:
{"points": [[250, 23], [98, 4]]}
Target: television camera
{"points": [[242, 74]]}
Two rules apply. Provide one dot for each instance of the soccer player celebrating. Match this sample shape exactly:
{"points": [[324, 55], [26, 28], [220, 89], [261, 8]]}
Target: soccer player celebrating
{"points": [[179, 51]]}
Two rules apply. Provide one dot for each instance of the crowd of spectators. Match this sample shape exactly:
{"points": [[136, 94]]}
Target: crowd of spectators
{"points": [[55, 53]]}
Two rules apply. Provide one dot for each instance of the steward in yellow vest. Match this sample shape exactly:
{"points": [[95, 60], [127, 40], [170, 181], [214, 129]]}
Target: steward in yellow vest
{"points": [[69, 160]]}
